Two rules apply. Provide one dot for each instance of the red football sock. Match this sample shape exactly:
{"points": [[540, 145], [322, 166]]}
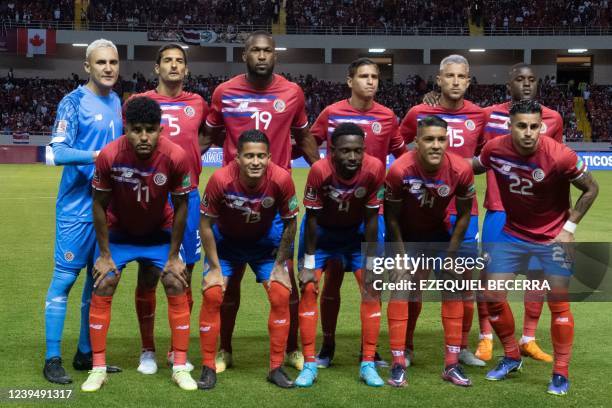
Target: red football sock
{"points": [[370, 328], [210, 323], [483, 318], [99, 321], [230, 306], [145, 310], [309, 315], [294, 307], [452, 317], [278, 322], [468, 317], [414, 310], [502, 320], [178, 316], [330, 300], [534, 301], [397, 315], [562, 333]]}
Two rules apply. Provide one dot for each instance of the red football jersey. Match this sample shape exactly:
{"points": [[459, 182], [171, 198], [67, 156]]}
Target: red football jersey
{"points": [[342, 203], [465, 131], [275, 110], [246, 214], [424, 196], [535, 190], [498, 118], [139, 204], [379, 124], [181, 119]]}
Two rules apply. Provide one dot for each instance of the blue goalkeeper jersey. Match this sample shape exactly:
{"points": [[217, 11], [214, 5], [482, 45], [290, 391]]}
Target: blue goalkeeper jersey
{"points": [[84, 122]]}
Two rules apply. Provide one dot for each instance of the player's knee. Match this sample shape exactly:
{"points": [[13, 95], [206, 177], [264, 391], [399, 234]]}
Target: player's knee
{"points": [[278, 295], [63, 278], [213, 297], [189, 272], [107, 286], [495, 308], [172, 285]]}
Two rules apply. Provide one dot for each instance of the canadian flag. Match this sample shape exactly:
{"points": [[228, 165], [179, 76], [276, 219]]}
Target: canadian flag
{"points": [[31, 41]]}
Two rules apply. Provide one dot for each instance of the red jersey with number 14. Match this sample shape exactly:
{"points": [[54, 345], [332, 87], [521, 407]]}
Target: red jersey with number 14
{"points": [[243, 213], [342, 203], [139, 204], [425, 196], [464, 131], [275, 110], [535, 190], [498, 118]]}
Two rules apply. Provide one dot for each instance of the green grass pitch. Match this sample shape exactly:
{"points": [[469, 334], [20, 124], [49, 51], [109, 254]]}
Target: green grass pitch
{"points": [[27, 205]]}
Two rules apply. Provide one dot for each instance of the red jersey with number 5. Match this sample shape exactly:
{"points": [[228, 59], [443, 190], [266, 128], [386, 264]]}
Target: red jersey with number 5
{"points": [[238, 106]]}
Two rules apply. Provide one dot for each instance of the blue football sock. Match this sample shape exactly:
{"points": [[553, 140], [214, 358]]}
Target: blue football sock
{"points": [[84, 342], [55, 308]]}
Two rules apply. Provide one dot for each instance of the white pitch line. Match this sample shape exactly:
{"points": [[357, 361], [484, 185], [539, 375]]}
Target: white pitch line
{"points": [[25, 198]]}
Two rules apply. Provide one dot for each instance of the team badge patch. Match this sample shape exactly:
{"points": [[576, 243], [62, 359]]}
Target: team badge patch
{"points": [[68, 256], [160, 179], [267, 202], [279, 105], [311, 193], [443, 190], [538, 174], [61, 127], [376, 128], [543, 128], [189, 111], [470, 125], [360, 192]]}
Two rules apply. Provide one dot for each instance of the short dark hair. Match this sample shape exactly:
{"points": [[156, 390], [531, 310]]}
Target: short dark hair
{"points": [[171, 46], [432, 120], [344, 129], [253, 136], [354, 66], [258, 33], [142, 110], [525, 106], [517, 67]]}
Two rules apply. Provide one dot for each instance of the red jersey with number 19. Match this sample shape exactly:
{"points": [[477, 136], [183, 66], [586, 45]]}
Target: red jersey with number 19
{"points": [[243, 213], [342, 203], [275, 110], [535, 190], [426, 196], [139, 204]]}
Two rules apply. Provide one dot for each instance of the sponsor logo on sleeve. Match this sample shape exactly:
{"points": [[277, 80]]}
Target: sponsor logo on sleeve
{"points": [[380, 195], [311, 193], [61, 126], [293, 203], [205, 200], [186, 181]]}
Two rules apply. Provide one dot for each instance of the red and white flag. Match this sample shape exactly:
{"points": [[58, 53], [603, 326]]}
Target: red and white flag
{"points": [[32, 41]]}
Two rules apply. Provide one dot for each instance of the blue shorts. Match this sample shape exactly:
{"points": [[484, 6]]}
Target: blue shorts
{"points": [[152, 251], [492, 228], [470, 240], [511, 255], [191, 247], [75, 243]]}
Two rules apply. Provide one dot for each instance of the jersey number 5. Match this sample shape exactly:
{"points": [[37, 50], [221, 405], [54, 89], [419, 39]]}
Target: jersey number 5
{"points": [[175, 129]]}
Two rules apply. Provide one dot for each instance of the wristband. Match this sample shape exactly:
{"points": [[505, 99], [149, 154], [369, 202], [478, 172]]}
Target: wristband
{"points": [[570, 226], [309, 261]]}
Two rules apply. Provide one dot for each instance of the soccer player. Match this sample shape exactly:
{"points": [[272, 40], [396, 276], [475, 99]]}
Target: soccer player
{"points": [[268, 102], [87, 119], [183, 115], [342, 197], [379, 125], [419, 187], [466, 122], [134, 222], [522, 85], [534, 175], [237, 228]]}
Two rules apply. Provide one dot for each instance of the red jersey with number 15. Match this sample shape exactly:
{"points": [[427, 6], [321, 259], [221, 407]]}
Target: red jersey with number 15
{"points": [[535, 190], [342, 203], [139, 204], [238, 106]]}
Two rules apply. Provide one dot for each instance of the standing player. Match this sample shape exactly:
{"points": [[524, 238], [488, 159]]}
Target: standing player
{"points": [[419, 187], [379, 125], [343, 195], [522, 85], [134, 222], [87, 119], [239, 206], [268, 102], [466, 122], [183, 114], [534, 175]]}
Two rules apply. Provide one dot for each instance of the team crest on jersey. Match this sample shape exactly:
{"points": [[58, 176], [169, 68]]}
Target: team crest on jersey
{"points": [[538, 175], [443, 190], [61, 127], [189, 111], [543, 128], [360, 192], [68, 256], [376, 128], [98, 117], [311, 193], [470, 125], [267, 202], [160, 179], [279, 105]]}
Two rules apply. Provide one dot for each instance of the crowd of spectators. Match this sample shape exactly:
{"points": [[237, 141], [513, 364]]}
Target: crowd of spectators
{"points": [[36, 10], [599, 112]]}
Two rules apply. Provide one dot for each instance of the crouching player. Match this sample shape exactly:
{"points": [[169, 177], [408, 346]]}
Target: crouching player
{"points": [[419, 187], [134, 222], [342, 197], [534, 175], [238, 209]]}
